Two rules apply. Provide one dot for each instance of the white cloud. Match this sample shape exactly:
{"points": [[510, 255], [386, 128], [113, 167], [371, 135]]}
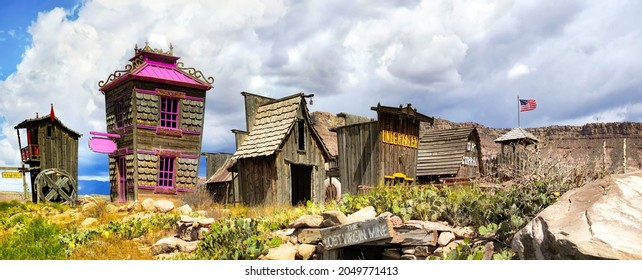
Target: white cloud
{"points": [[519, 70], [460, 60]]}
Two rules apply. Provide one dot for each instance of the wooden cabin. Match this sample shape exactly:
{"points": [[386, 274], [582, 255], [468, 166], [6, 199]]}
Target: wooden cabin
{"points": [[154, 110], [50, 144], [449, 155], [380, 152], [280, 159]]}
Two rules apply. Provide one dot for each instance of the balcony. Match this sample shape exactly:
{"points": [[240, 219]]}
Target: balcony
{"points": [[30, 153]]}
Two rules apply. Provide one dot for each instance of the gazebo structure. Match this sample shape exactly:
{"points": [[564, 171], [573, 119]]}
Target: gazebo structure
{"points": [[515, 150]]}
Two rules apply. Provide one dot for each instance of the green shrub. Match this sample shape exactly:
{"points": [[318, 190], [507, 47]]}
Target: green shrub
{"points": [[36, 239], [138, 227], [232, 239]]}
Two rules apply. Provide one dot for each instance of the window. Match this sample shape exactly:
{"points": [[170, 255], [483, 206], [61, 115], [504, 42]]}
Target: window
{"points": [[119, 113], [169, 112], [166, 172], [301, 136], [49, 131]]}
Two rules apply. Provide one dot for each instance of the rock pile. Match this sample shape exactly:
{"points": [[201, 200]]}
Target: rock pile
{"points": [[410, 240], [190, 231]]}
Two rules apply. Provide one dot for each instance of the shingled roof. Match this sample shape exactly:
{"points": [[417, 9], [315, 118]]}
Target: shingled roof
{"points": [[273, 122], [441, 151], [30, 122], [517, 134], [222, 174]]}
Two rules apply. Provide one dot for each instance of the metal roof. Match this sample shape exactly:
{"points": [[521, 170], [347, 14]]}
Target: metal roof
{"points": [[441, 151], [517, 134]]}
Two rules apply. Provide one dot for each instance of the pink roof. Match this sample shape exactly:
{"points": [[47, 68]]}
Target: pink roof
{"points": [[163, 72]]}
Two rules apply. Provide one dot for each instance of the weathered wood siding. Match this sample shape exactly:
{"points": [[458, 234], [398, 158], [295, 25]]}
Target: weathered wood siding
{"points": [[58, 151], [359, 156], [257, 180], [140, 118], [396, 158], [311, 156]]}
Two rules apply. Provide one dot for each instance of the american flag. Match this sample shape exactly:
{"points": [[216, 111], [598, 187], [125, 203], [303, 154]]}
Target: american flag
{"points": [[527, 104]]}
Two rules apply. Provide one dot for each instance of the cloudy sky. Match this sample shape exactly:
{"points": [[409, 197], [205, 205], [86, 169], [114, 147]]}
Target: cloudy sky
{"points": [[465, 61]]}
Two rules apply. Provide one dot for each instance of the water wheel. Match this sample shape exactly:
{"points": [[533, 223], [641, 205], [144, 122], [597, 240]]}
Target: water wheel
{"points": [[56, 185]]}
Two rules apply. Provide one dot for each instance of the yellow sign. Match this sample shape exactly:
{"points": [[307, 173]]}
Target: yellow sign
{"points": [[400, 139], [11, 175]]}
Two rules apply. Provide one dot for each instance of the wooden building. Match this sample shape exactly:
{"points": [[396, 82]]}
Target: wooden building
{"points": [[154, 110], [518, 147], [50, 144], [449, 154], [220, 181], [280, 159], [382, 151]]}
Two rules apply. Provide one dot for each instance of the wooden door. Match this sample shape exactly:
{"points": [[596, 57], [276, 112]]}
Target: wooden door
{"points": [[122, 179]]}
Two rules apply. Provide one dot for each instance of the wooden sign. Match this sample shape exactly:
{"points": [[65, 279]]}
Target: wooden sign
{"points": [[102, 145], [11, 175], [356, 233], [399, 139]]}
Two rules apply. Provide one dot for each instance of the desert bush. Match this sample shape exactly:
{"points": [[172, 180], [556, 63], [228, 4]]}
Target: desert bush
{"points": [[36, 239], [233, 239], [199, 199], [138, 227]]}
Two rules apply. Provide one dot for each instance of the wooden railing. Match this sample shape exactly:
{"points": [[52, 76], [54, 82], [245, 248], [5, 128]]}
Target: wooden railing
{"points": [[30, 152]]}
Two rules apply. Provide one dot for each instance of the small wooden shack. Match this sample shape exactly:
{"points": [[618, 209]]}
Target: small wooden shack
{"points": [[154, 110], [220, 184], [281, 158], [382, 151], [449, 154], [517, 146], [50, 144]]}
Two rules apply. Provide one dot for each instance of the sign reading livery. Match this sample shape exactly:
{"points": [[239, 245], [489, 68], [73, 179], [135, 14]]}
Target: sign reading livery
{"points": [[400, 139]]}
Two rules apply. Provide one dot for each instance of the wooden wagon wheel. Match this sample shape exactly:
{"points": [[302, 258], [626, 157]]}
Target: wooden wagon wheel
{"points": [[56, 185]]}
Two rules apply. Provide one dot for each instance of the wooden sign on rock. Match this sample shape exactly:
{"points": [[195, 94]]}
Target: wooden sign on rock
{"points": [[356, 233]]}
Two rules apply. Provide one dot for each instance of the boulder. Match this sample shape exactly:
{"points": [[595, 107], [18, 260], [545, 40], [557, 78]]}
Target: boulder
{"points": [[173, 244], [395, 220], [89, 207], [305, 251], [110, 208], [308, 235], [165, 245], [464, 232], [408, 257], [422, 251], [445, 238], [206, 222], [333, 218], [164, 206], [365, 213], [286, 251], [148, 205], [89, 222], [134, 206], [307, 221], [185, 209], [600, 220], [429, 225]]}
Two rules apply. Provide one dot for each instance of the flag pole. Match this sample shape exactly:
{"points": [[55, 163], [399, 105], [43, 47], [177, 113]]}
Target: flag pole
{"points": [[518, 125]]}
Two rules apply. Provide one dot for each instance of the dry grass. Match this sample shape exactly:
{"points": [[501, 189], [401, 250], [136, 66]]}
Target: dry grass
{"points": [[112, 249]]}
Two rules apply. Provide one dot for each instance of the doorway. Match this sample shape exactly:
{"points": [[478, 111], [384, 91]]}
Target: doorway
{"points": [[301, 177], [122, 179]]}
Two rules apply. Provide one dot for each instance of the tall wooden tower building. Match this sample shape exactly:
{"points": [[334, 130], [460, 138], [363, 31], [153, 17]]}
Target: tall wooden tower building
{"points": [[155, 110]]}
